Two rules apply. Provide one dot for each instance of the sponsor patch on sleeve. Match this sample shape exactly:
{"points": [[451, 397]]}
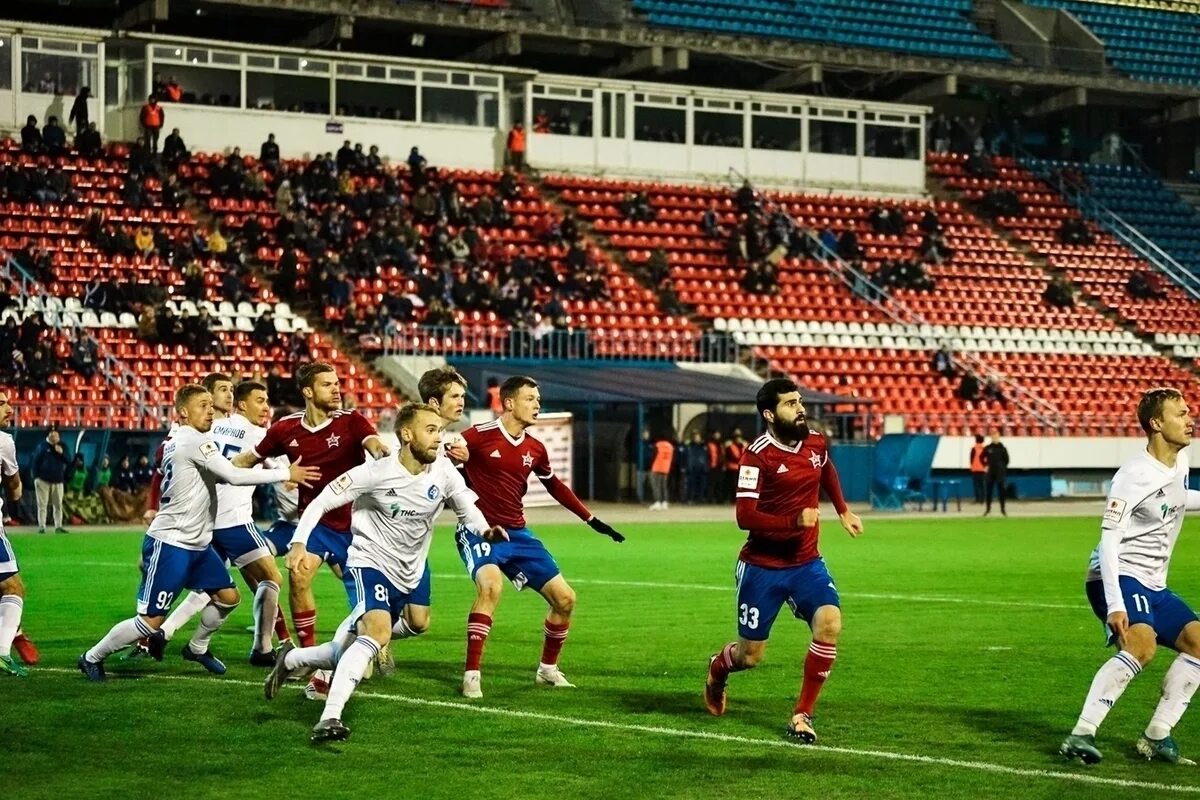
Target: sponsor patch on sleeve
{"points": [[208, 449], [748, 478], [1114, 510], [341, 484]]}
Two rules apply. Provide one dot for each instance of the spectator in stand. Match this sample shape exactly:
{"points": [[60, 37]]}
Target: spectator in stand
{"points": [[847, 246], [41, 368], [79, 111], [1145, 284], [54, 138], [172, 92], [968, 387], [514, 151], [943, 361], [745, 198], [979, 163], [268, 154], [39, 186], [143, 473], [510, 187], [711, 222], [734, 449], [695, 470], [84, 354], [929, 222], [151, 119], [940, 133], [50, 464], [663, 451], [77, 476], [88, 142], [1074, 230], [417, 166], [1059, 292], [143, 240], [886, 221], [175, 152], [265, 333], [716, 466], [424, 205], [101, 476], [31, 137], [124, 479], [30, 332], [933, 248], [541, 121]]}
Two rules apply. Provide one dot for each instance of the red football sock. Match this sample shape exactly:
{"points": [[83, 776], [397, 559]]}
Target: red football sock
{"points": [[305, 623], [724, 664], [478, 628], [817, 665], [281, 628], [556, 635]]}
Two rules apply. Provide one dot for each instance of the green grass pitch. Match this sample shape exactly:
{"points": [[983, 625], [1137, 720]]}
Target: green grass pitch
{"points": [[966, 654]]}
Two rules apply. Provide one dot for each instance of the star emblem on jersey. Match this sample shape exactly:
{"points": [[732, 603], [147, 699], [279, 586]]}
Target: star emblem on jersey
{"points": [[333, 440], [782, 469], [816, 460], [527, 460]]}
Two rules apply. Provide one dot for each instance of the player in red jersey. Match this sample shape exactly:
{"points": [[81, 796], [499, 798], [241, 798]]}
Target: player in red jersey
{"points": [[332, 440], [779, 480], [502, 455]]}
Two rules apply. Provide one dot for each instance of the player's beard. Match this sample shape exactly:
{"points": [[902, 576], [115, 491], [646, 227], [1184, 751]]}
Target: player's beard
{"points": [[425, 456], [793, 431]]}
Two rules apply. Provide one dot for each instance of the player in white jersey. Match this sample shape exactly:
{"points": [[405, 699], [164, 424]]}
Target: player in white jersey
{"points": [[177, 549], [12, 589], [236, 538], [1127, 582], [396, 501]]}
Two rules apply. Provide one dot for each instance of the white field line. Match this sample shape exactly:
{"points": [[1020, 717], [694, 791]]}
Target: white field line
{"points": [[701, 587], [684, 733]]}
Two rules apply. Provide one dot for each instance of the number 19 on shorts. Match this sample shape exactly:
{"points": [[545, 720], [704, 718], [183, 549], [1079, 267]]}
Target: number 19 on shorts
{"points": [[748, 616]]}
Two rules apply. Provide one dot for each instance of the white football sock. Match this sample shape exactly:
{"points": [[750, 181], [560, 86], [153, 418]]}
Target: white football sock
{"points": [[121, 636], [191, 605], [266, 605], [323, 656], [1178, 687], [10, 621], [401, 630], [211, 619], [1108, 685], [350, 670]]}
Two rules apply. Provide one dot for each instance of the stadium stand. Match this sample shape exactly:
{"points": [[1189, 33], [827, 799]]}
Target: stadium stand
{"points": [[1143, 39], [137, 281], [988, 300], [941, 28]]}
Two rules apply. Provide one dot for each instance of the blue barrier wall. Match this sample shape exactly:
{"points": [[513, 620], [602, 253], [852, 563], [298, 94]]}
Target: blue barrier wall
{"points": [[856, 466]]}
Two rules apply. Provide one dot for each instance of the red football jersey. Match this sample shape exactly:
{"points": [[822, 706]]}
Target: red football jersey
{"points": [[783, 481], [335, 446], [499, 468]]}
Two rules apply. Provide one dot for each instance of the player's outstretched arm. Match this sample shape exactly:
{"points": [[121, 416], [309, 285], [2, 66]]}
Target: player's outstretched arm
{"points": [[375, 447], [246, 459], [210, 460], [346, 488]]}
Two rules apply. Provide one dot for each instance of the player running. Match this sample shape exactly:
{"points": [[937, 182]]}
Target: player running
{"points": [[1127, 582], [236, 538], [502, 456], [779, 480], [177, 549], [12, 588], [395, 502], [327, 437]]}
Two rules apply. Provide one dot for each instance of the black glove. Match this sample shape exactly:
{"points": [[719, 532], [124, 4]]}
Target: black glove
{"points": [[605, 529]]}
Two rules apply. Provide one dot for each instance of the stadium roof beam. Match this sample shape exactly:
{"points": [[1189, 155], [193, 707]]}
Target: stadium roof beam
{"points": [[795, 78], [145, 13], [505, 45], [936, 89], [1062, 101], [334, 29], [1187, 110], [656, 60]]}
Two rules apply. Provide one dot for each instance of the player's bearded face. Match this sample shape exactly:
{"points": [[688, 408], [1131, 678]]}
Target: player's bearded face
{"points": [[327, 395], [791, 422], [6, 411], [424, 439]]}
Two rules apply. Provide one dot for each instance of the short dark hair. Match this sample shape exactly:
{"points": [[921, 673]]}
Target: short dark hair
{"points": [[213, 378], [515, 384], [307, 374], [1151, 405], [768, 395], [408, 413], [243, 390], [979, 438], [436, 382], [186, 392]]}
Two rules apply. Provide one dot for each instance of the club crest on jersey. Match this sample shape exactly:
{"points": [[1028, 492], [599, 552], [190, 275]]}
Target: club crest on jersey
{"points": [[333, 440], [526, 460], [432, 494], [818, 462]]}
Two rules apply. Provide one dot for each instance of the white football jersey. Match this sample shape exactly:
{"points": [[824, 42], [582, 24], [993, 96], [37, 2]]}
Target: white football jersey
{"points": [[235, 504], [1142, 519], [192, 466], [287, 501], [394, 512], [8, 464]]}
